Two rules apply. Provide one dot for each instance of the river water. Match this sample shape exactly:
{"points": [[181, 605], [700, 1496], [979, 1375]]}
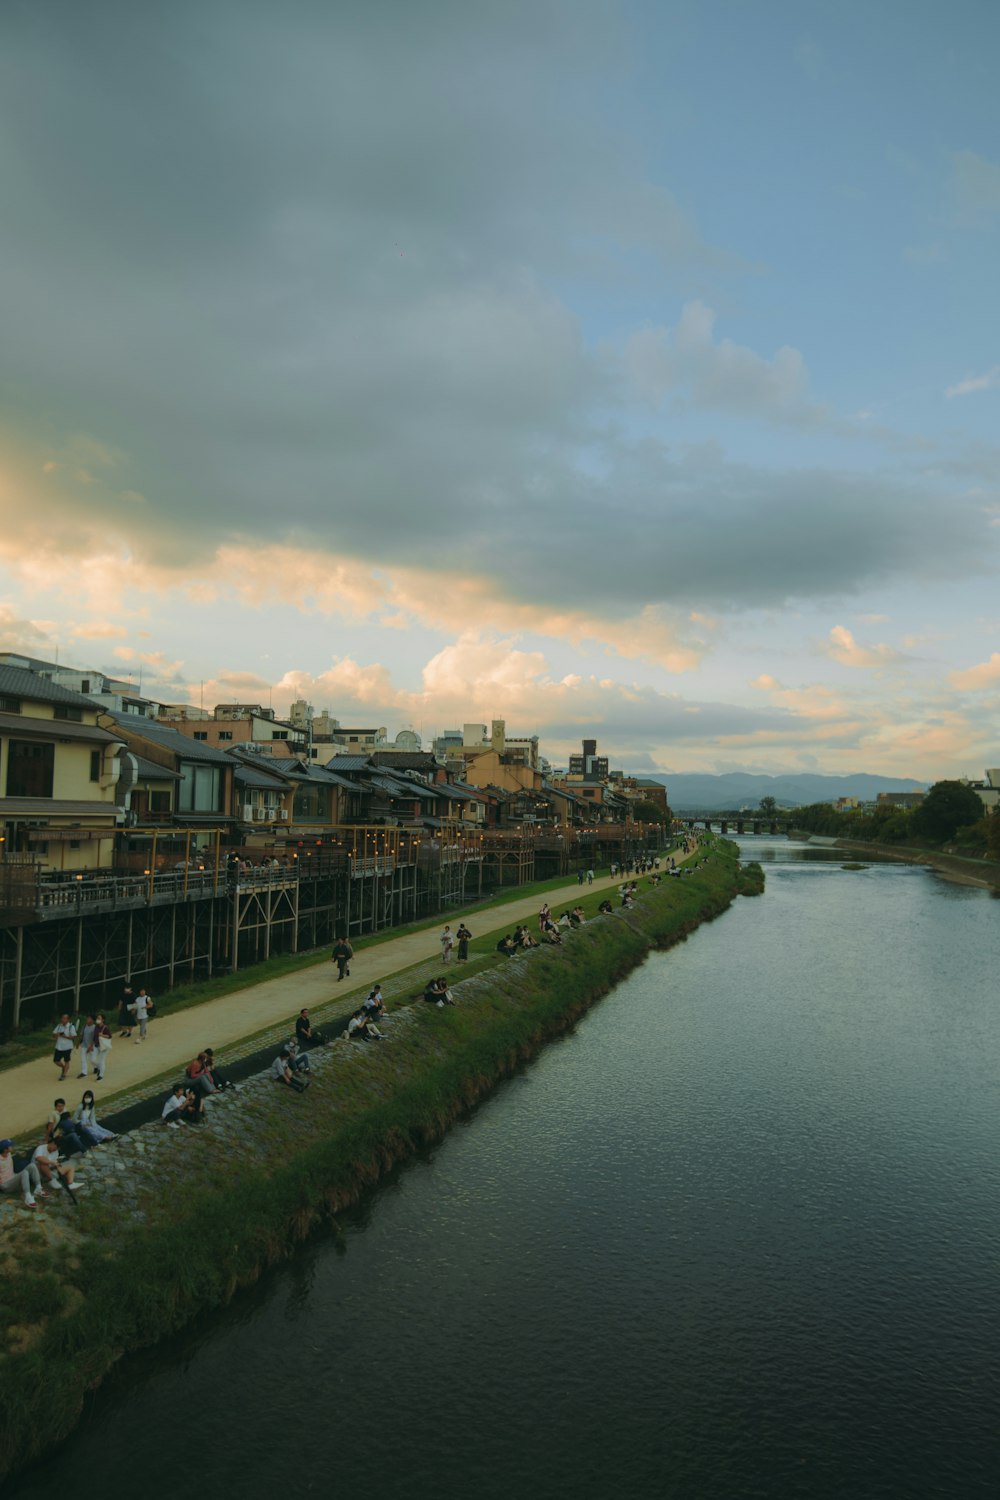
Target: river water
{"points": [[736, 1235]]}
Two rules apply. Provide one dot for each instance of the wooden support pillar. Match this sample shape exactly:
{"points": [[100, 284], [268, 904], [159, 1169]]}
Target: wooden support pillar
{"points": [[79, 961], [18, 966]]}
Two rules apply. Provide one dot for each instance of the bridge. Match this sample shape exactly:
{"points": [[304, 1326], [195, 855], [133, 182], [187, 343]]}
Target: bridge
{"points": [[737, 822]]}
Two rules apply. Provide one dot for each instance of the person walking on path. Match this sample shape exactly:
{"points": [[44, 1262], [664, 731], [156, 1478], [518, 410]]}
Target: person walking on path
{"points": [[341, 956], [464, 938], [141, 1007], [85, 1042], [102, 1046], [447, 943], [125, 1011], [64, 1036]]}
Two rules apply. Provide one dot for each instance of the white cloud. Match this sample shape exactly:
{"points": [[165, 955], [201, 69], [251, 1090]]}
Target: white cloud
{"points": [[842, 646], [973, 383]]}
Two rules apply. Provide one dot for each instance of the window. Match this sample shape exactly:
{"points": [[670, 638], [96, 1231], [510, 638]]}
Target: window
{"points": [[225, 734], [312, 804], [201, 734], [29, 769], [95, 765], [85, 685], [64, 711], [74, 843], [200, 788], [10, 705], [159, 802]]}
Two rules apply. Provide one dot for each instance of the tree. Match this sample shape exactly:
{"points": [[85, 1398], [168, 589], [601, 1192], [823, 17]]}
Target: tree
{"points": [[948, 806], [993, 834], [649, 812], [768, 806]]}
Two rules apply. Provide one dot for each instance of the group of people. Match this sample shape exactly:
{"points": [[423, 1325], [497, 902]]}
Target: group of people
{"points": [[437, 993], [460, 938], [92, 1040], [67, 1135]]}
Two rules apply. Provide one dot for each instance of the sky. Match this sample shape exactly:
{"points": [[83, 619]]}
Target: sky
{"points": [[622, 370]]}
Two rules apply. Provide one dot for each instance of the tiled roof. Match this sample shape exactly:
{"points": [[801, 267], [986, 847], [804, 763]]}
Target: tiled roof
{"points": [[148, 770], [170, 739], [20, 683], [349, 763], [23, 726]]}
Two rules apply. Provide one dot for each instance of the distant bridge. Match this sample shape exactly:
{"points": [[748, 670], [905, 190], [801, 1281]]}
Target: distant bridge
{"points": [[736, 822]]}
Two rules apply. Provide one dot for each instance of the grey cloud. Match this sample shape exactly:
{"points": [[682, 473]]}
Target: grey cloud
{"points": [[303, 267]]}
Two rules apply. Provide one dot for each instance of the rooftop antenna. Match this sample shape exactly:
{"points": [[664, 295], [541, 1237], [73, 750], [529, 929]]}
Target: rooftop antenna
{"points": [[201, 700]]}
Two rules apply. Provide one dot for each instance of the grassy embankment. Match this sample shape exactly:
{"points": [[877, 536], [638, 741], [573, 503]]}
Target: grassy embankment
{"points": [[117, 1281]]}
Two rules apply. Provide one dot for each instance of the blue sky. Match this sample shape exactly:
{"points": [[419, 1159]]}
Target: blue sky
{"points": [[616, 369]]}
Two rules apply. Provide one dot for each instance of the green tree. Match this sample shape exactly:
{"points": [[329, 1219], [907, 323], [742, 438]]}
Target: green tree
{"points": [[768, 806], [993, 834], [948, 806], [650, 812]]}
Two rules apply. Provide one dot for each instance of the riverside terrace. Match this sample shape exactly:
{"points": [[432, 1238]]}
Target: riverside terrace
{"points": [[69, 943]]}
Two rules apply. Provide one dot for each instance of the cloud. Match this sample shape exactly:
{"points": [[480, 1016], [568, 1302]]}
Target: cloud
{"points": [[978, 679], [843, 647], [98, 630], [973, 383], [26, 637], [688, 363]]}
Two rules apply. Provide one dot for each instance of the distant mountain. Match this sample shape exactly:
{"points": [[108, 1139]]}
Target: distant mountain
{"points": [[735, 789]]}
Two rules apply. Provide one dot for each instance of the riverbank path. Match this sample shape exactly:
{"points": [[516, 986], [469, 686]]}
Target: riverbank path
{"points": [[27, 1091]]}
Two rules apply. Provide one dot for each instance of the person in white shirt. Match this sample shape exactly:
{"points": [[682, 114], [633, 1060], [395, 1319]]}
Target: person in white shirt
{"points": [[141, 1005], [46, 1158], [64, 1037]]}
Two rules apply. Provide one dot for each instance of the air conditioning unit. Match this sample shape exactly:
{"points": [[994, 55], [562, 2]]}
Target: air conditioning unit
{"points": [[247, 813], [283, 814]]}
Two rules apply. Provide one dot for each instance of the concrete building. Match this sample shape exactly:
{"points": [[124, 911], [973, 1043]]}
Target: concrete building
{"points": [[590, 765]]}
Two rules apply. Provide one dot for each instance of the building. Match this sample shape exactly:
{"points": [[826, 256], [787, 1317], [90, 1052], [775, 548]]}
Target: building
{"points": [[988, 791], [589, 763], [59, 775], [238, 724], [899, 801], [113, 693]]}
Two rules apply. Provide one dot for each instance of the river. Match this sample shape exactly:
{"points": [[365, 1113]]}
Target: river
{"points": [[738, 1234]]}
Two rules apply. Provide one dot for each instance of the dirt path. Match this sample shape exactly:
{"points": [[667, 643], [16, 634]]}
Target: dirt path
{"points": [[27, 1092]]}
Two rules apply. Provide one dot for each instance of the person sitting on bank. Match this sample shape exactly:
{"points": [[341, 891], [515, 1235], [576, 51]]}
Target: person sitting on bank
{"points": [[299, 1060], [605, 908], [199, 1076], [305, 1033], [374, 1006], [183, 1106], [51, 1169], [221, 1080], [361, 1029], [27, 1181], [506, 945], [576, 916], [282, 1072], [62, 1132], [438, 993], [85, 1120], [551, 933]]}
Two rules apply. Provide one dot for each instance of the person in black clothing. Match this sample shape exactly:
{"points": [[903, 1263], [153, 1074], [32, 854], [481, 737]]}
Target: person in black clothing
{"points": [[304, 1033], [341, 956], [464, 937]]}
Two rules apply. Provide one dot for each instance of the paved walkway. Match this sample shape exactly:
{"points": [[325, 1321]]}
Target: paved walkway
{"points": [[27, 1092]]}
